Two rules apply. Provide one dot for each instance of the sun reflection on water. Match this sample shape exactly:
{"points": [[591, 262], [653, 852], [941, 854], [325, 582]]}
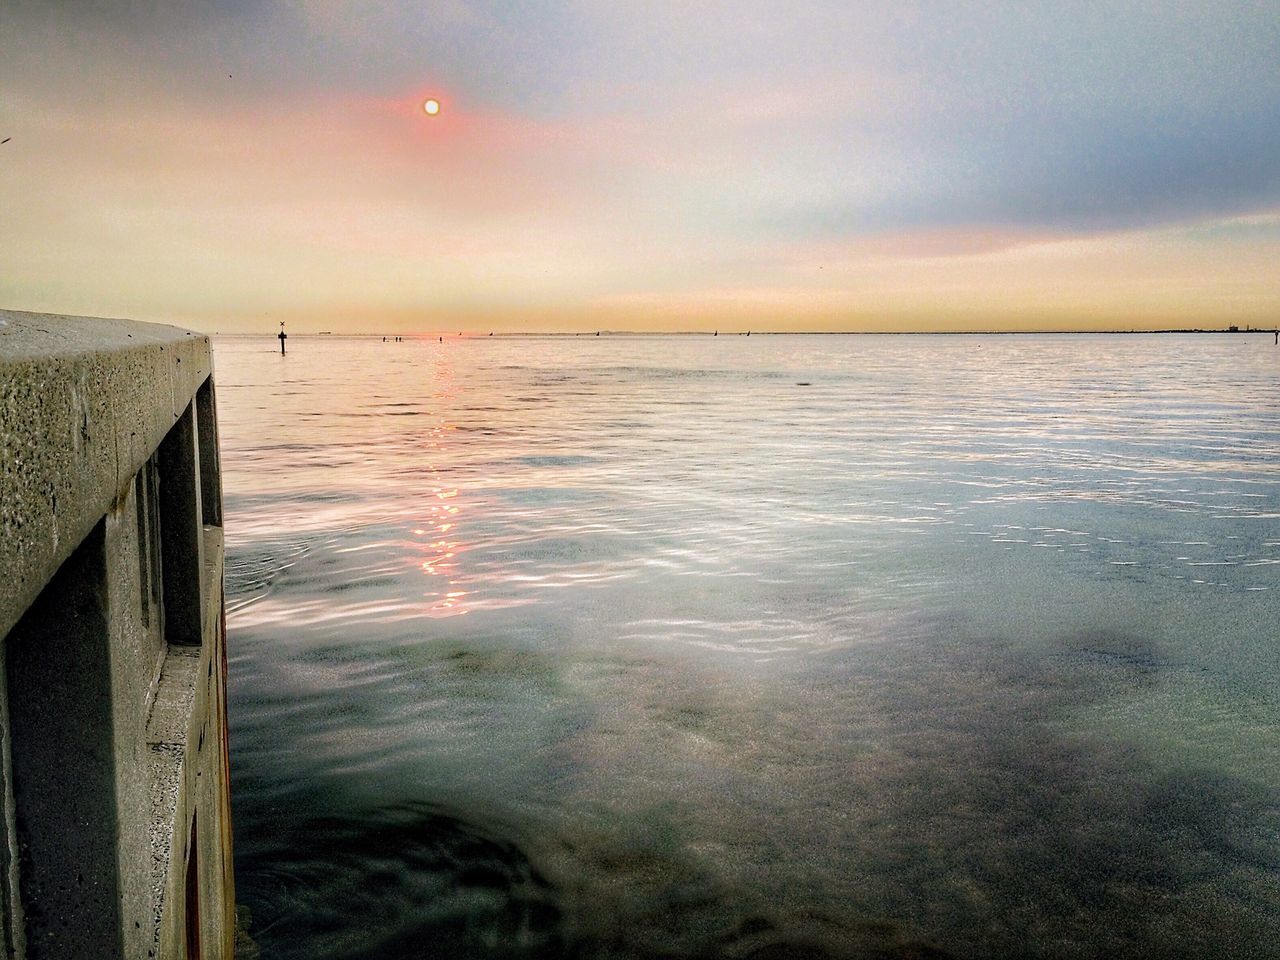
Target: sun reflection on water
{"points": [[963, 627]]}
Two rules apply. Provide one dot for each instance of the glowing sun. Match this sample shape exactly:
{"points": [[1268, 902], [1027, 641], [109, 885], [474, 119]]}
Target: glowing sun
{"points": [[432, 107]]}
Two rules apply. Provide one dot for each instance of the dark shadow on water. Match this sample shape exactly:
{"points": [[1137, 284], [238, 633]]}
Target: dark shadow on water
{"points": [[410, 881], [393, 883], [1003, 835], [935, 807]]}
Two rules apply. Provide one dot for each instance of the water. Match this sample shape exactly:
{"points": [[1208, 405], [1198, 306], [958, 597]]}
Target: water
{"points": [[755, 647]]}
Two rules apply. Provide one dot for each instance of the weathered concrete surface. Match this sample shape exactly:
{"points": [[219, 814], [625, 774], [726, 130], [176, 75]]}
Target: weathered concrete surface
{"points": [[114, 782], [63, 754], [190, 778], [83, 403]]}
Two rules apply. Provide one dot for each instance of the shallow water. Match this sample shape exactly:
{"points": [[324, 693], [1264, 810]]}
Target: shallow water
{"points": [[794, 646]]}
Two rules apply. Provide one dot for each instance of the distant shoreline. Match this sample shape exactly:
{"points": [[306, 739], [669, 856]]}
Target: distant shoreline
{"points": [[762, 333]]}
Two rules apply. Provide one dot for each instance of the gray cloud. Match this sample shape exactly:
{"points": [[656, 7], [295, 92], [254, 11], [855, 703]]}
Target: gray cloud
{"points": [[1082, 115]]}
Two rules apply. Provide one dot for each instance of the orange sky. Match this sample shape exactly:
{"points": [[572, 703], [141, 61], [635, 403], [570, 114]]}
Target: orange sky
{"points": [[649, 167]]}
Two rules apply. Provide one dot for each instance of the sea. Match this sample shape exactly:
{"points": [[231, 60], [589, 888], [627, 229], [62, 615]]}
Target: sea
{"points": [[762, 647]]}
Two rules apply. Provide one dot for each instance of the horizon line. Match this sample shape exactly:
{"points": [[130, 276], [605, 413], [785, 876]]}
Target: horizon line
{"points": [[476, 335]]}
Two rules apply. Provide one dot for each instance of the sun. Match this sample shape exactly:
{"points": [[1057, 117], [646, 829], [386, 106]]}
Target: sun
{"points": [[432, 107]]}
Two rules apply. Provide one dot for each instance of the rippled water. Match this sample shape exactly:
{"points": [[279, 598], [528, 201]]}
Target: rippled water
{"points": [[755, 647]]}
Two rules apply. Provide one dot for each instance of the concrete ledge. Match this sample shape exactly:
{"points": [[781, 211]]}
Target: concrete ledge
{"points": [[181, 760], [115, 816], [83, 403]]}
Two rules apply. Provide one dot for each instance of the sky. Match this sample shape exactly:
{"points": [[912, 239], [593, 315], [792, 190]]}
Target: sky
{"points": [[665, 165]]}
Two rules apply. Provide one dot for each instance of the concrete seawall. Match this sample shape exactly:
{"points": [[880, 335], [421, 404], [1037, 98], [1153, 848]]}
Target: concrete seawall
{"points": [[115, 839]]}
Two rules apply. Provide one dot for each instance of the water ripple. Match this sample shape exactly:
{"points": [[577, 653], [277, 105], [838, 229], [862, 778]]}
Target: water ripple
{"points": [[640, 647]]}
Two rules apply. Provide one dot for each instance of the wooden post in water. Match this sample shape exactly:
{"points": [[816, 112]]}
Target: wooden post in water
{"points": [[283, 337]]}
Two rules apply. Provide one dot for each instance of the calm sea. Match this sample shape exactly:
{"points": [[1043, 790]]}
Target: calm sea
{"points": [[767, 647]]}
